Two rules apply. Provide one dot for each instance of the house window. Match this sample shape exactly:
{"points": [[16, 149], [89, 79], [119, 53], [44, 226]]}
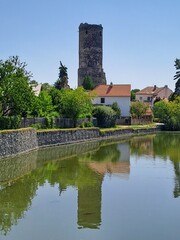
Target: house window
{"points": [[149, 99], [102, 100]]}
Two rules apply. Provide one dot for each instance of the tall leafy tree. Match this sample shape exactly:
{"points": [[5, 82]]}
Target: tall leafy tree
{"points": [[42, 105], [168, 113], [15, 92], [75, 103], [138, 109]]}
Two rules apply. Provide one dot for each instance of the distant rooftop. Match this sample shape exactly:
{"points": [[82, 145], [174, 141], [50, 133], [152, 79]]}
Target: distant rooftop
{"points": [[117, 90]]}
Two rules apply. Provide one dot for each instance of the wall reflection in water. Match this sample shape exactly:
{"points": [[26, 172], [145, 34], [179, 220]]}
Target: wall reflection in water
{"points": [[82, 166]]}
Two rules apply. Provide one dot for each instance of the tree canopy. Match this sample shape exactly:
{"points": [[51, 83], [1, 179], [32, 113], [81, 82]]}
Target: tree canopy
{"points": [[168, 113], [75, 103], [138, 109], [15, 92]]}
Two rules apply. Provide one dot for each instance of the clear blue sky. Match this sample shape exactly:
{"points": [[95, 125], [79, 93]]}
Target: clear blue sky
{"points": [[141, 39]]}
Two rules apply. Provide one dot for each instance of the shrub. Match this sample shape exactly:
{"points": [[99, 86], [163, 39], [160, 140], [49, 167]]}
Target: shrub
{"points": [[86, 124], [117, 109], [13, 122], [168, 113], [49, 122], [106, 116]]}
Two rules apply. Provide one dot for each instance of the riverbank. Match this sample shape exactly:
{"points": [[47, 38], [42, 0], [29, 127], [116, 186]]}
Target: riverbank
{"points": [[13, 142]]}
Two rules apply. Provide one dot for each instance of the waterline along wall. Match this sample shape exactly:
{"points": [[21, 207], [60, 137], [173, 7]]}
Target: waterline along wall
{"points": [[13, 142]]}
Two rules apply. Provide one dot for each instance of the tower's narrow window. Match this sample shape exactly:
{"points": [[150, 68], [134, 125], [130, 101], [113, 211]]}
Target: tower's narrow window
{"points": [[100, 33], [86, 31]]}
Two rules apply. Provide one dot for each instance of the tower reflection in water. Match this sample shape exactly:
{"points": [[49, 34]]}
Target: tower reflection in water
{"points": [[113, 159]]}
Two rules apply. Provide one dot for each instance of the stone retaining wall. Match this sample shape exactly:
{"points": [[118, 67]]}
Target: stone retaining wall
{"points": [[23, 140], [13, 142], [56, 137]]}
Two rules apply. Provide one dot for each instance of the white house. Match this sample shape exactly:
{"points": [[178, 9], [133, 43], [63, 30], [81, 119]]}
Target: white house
{"points": [[108, 94], [150, 94], [36, 89]]}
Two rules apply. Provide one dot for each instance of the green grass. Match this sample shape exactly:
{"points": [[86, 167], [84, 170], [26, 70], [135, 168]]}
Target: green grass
{"points": [[121, 127]]}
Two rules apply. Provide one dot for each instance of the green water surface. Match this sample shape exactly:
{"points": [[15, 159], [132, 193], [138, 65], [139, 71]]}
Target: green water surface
{"points": [[100, 190]]}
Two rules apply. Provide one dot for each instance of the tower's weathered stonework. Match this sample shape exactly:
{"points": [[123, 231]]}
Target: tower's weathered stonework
{"points": [[91, 53]]}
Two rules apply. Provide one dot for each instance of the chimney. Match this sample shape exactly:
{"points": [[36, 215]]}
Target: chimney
{"points": [[154, 88]]}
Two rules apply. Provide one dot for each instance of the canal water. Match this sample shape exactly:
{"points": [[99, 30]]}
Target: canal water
{"points": [[99, 190]]}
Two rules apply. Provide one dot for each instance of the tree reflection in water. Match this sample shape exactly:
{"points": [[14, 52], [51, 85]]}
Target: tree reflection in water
{"points": [[82, 166], [163, 145], [55, 166]]}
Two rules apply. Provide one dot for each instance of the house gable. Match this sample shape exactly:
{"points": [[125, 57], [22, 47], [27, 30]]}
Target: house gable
{"points": [[108, 94]]}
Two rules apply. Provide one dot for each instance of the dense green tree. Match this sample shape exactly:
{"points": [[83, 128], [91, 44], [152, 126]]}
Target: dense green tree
{"points": [[168, 113], [35, 107], [75, 104], [33, 82], [88, 83], [138, 109], [56, 96], [46, 87], [46, 104], [15, 92], [160, 110], [42, 105]]}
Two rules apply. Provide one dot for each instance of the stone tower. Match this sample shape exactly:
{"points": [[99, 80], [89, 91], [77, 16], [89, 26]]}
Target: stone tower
{"points": [[91, 53]]}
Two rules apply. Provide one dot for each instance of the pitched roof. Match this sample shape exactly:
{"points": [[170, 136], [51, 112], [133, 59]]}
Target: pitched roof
{"points": [[150, 91], [119, 90]]}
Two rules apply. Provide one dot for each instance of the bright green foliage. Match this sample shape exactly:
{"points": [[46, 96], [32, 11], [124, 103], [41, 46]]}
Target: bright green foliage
{"points": [[45, 103], [56, 96], [117, 109], [160, 110], [88, 83], [75, 104], [106, 116], [138, 109], [168, 113], [42, 105], [35, 107], [15, 93]]}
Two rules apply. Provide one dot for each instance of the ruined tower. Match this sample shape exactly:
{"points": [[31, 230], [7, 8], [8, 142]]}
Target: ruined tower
{"points": [[91, 53]]}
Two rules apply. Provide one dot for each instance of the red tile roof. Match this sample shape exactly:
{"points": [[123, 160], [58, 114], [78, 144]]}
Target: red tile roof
{"points": [[117, 90]]}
